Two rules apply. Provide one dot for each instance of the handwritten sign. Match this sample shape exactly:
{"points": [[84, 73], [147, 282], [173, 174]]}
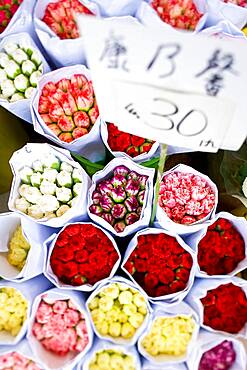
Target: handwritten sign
{"points": [[177, 88]]}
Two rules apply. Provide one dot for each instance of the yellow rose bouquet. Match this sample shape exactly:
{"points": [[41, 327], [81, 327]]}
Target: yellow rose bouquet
{"points": [[118, 310], [13, 314], [170, 334]]}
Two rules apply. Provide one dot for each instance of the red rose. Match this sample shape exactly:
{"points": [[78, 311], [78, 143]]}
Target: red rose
{"points": [[62, 240], [177, 286], [166, 276], [71, 269], [187, 260], [141, 265], [72, 230], [151, 280], [123, 142], [162, 290], [79, 280], [63, 254], [137, 140], [58, 268], [132, 151], [81, 256], [145, 148], [113, 130], [183, 275], [174, 261], [129, 266]]}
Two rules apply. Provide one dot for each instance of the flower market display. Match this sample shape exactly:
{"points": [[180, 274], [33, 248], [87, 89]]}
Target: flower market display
{"points": [[15, 360], [48, 188], [76, 258], [221, 356], [18, 249], [221, 249], [125, 243], [21, 67], [119, 198], [68, 107]]}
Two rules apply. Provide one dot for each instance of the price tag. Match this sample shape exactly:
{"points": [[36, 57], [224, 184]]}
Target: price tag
{"points": [[177, 88]]}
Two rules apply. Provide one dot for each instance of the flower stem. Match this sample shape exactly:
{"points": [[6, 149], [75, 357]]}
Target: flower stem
{"points": [[162, 160]]}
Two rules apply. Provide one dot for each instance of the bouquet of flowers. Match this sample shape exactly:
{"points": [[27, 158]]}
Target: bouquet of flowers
{"points": [[64, 110], [170, 335], [21, 258], [48, 186], [113, 357], [22, 65], [59, 331], [120, 197], [214, 351], [55, 25], [187, 198], [221, 304], [119, 311], [75, 259], [161, 264], [221, 247], [122, 144]]}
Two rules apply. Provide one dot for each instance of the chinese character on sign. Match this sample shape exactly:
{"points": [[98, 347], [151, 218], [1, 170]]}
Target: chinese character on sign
{"points": [[115, 52], [164, 59], [218, 64]]}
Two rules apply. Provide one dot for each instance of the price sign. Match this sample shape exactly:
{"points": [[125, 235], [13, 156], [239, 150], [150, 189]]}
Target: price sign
{"points": [[177, 88]]}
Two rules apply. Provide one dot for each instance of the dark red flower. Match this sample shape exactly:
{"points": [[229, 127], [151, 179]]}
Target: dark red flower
{"points": [[137, 140], [166, 276], [182, 274]]}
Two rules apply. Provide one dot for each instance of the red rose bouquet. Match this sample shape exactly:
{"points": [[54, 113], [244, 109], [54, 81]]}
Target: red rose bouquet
{"points": [[68, 107], [222, 248], [225, 308], [82, 255], [60, 17], [181, 14], [159, 264], [120, 196], [7, 10], [119, 141]]}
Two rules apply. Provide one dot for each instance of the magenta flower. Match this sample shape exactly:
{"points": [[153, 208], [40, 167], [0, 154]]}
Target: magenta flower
{"points": [[132, 187], [118, 194], [96, 209], [118, 211], [131, 203], [131, 218], [121, 170], [106, 203]]}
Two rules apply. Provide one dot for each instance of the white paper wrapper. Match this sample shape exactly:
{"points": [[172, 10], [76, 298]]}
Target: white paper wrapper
{"points": [[49, 360], [35, 259], [154, 151], [110, 8], [120, 341], [174, 297], [21, 108], [90, 145], [193, 240], [148, 16], [21, 20], [207, 341], [62, 52], [50, 244], [166, 310], [199, 290], [29, 289], [22, 348], [219, 10], [147, 204], [101, 345], [224, 29], [164, 221], [147, 365], [31, 152]]}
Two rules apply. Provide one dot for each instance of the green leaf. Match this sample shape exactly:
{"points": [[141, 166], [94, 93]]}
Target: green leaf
{"points": [[152, 163], [90, 167]]}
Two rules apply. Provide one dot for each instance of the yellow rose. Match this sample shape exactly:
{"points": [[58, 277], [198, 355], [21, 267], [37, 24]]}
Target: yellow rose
{"points": [[105, 303], [117, 361], [127, 331], [125, 297], [129, 309], [103, 357], [98, 316], [113, 314], [94, 303], [102, 327], [112, 291], [18, 249], [122, 317], [136, 320], [115, 329]]}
